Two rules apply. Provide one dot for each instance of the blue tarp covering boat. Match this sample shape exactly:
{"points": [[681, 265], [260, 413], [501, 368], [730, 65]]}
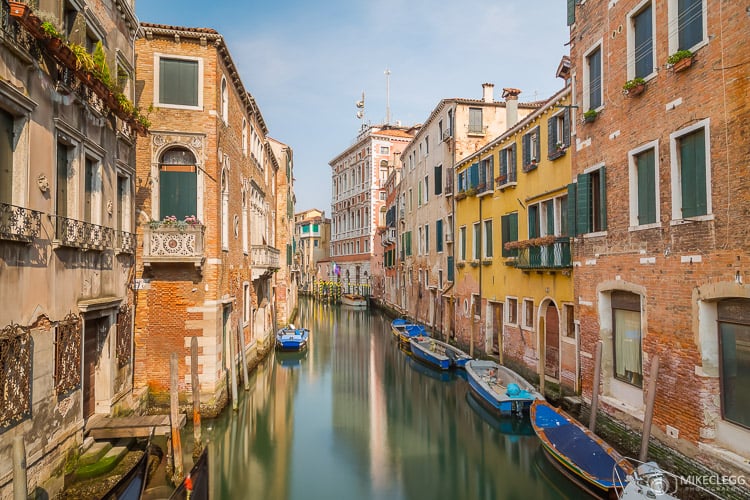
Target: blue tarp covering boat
{"points": [[578, 452], [291, 338], [437, 353], [404, 329]]}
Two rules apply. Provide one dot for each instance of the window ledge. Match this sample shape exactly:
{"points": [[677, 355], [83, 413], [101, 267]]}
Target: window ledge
{"points": [[644, 227], [177, 106], [598, 234], [698, 218]]}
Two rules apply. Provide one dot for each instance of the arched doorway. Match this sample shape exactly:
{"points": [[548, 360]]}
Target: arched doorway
{"points": [[552, 341]]}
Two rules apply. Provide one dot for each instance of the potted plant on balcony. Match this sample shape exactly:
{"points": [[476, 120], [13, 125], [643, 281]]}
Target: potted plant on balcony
{"points": [[19, 9], [590, 115], [634, 87], [680, 60]]}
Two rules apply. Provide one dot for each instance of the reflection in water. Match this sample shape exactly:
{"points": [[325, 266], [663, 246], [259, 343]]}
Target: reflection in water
{"points": [[355, 417]]}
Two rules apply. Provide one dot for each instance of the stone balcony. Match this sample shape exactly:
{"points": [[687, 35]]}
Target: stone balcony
{"points": [[19, 223], [173, 244], [264, 260]]}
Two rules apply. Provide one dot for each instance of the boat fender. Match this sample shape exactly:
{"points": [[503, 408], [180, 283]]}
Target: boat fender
{"points": [[513, 390]]}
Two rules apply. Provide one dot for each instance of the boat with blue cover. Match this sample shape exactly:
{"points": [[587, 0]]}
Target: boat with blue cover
{"points": [[499, 388], [579, 453], [438, 353], [404, 330], [292, 339]]}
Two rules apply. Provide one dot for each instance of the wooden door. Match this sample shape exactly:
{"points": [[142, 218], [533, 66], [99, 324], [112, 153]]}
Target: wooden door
{"points": [[552, 342], [90, 359]]}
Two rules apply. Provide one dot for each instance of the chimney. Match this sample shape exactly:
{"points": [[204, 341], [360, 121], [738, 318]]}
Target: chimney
{"points": [[487, 89], [511, 105]]}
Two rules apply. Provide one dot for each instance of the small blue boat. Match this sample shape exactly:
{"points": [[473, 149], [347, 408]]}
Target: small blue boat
{"points": [[579, 453], [291, 338], [404, 330], [438, 353], [499, 388]]}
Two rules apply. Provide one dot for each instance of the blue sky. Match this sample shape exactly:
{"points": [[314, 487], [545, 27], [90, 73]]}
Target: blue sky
{"points": [[308, 62]]}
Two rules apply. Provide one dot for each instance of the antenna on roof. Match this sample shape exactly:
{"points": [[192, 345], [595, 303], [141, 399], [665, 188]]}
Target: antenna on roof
{"points": [[361, 109], [387, 96]]}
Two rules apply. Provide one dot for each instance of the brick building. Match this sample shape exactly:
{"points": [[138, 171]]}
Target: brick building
{"points": [[206, 199], [67, 171], [661, 217]]}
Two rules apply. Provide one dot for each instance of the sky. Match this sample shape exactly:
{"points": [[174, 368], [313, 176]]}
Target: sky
{"points": [[307, 62]]}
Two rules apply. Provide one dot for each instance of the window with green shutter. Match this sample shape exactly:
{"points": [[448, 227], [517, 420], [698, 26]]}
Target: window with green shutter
{"points": [[689, 23], [646, 173], [590, 206], [178, 184], [643, 42], [451, 269], [594, 70], [178, 82], [438, 180], [509, 229], [439, 235], [692, 151], [572, 12], [289, 255]]}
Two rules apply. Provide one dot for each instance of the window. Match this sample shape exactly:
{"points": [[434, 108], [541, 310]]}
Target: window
{"points": [[419, 194], [245, 216], [224, 211], [246, 303], [224, 101], [512, 308], [528, 313], [462, 242], [530, 149], [509, 228], [420, 232], [475, 121], [592, 79], [177, 183], [643, 185], [476, 305], [426, 238], [558, 134], [587, 202], [507, 165], [734, 359], [691, 171], [626, 321], [92, 191], [641, 62], [244, 137], [426, 187], [488, 239], [427, 145], [476, 246], [179, 82], [687, 24], [411, 200], [123, 203], [569, 321], [6, 157], [486, 173], [384, 150], [438, 180], [439, 235]]}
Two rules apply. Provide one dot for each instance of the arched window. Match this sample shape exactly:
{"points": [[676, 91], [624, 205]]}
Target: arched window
{"points": [[224, 211], [177, 183], [224, 101], [244, 137]]}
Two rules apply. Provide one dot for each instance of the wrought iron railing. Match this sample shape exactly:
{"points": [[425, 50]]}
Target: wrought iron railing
{"points": [[126, 242], [84, 235], [16, 348], [12, 31], [18, 223], [264, 256], [553, 256], [68, 338], [173, 244], [124, 335]]}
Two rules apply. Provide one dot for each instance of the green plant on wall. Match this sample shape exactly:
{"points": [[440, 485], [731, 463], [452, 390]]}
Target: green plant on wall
{"points": [[679, 56], [635, 82], [84, 60], [101, 70]]}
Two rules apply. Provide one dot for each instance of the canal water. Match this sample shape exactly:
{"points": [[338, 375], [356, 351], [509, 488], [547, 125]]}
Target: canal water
{"points": [[355, 417]]}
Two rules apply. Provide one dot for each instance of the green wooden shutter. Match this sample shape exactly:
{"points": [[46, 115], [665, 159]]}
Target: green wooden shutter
{"points": [[571, 12], [550, 209], [583, 204], [595, 78], [689, 23], [551, 133], [513, 164], [644, 41], [603, 199], [439, 235], [533, 228], [646, 188], [474, 175], [504, 235], [177, 194], [6, 157], [566, 128], [572, 227], [178, 82], [526, 149], [538, 144], [513, 231], [504, 163], [693, 174], [289, 255], [451, 269], [438, 180]]}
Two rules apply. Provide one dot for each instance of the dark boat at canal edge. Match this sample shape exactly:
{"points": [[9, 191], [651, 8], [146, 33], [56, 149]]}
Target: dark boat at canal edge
{"points": [[577, 452], [195, 486], [404, 330], [504, 425], [292, 339], [438, 353], [132, 485], [499, 388]]}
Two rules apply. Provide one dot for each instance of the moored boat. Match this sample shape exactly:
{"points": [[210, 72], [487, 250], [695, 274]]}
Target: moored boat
{"points": [[499, 388], [579, 453], [195, 486], [404, 330], [354, 300], [292, 339], [438, 353]]}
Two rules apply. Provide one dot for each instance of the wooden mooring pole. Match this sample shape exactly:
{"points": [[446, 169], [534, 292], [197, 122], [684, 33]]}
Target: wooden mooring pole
{"points": [[648, 417], [233, 370], [19, 469], [595, 389], [243, 358], [174, 406], [195, 383]]}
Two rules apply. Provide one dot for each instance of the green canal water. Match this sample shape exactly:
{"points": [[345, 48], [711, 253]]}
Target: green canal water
{"points": [[357, 418]]}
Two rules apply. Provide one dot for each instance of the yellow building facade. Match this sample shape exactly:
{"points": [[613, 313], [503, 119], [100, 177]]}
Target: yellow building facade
{"points": [[514, 286]]}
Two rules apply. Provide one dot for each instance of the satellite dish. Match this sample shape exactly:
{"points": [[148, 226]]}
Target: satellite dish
{"points": [[361, 104], [359, 114]]}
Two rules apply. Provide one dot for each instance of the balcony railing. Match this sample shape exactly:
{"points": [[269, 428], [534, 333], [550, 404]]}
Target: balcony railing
{"points": [[84, 235], [18, 223], [126, 242], [553, 256], [173, 244], [264, 256]]}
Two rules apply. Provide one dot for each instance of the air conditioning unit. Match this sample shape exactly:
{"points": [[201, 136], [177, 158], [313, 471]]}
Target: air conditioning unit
{"points": [[446, 134], [449, 237]]}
